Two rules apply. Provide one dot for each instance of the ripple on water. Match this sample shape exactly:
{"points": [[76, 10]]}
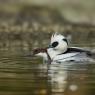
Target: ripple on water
{"points": [[27, 76]]}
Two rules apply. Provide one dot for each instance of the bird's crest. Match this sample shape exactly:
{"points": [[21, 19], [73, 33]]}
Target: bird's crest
{"points": [[56, 35]]}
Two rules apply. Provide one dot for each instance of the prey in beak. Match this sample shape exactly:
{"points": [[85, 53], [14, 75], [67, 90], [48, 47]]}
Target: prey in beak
{"points": [[42, 52]]}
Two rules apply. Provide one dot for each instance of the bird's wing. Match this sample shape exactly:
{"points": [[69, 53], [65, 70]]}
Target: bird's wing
{"points": [[77, 49]]}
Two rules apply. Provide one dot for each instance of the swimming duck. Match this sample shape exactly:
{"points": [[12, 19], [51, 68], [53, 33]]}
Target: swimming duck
{"points": [[59, 51]]}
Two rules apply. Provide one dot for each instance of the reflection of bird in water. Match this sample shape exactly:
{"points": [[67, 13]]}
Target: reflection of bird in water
{"points": [[58, 78], [59, 51]]}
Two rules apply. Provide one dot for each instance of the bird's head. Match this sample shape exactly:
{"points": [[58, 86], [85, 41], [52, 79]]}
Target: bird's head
{"points": [[58, 42]]}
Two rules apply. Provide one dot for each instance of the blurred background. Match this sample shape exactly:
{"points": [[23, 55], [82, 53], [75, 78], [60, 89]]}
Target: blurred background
{"points": [[28, 24]]}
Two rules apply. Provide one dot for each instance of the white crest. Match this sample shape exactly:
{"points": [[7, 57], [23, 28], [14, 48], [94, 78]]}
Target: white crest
{"points": [[56, 36]]}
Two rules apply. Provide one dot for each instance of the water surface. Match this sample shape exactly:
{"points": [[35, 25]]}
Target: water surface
{"points": [[20, 75]]}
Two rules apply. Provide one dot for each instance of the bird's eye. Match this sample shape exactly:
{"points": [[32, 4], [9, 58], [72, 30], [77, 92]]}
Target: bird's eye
{"points": [[65, 40], [54, 44]]}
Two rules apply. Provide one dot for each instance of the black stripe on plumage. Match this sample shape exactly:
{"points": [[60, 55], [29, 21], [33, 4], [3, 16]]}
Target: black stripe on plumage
{"points": [[73, 50]]}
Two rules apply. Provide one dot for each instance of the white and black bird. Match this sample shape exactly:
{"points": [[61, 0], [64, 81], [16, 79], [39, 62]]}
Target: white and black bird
{"points": [[59, 51]]}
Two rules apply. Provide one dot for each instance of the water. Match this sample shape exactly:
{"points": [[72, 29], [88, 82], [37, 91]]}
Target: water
{"points": [[21, 75]]}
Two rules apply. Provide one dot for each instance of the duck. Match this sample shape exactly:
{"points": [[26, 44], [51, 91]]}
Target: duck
{"points": [[59, 51]]}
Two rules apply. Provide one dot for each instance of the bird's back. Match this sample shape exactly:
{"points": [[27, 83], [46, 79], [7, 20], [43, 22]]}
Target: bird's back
{"points": [[75, 54]]}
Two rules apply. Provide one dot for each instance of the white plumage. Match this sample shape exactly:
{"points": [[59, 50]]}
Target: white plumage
{"points": [[59, 51]]}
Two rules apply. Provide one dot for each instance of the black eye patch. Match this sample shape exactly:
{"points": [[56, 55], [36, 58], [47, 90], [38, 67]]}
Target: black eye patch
{"points": [[54, 44], [65, 40]]}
